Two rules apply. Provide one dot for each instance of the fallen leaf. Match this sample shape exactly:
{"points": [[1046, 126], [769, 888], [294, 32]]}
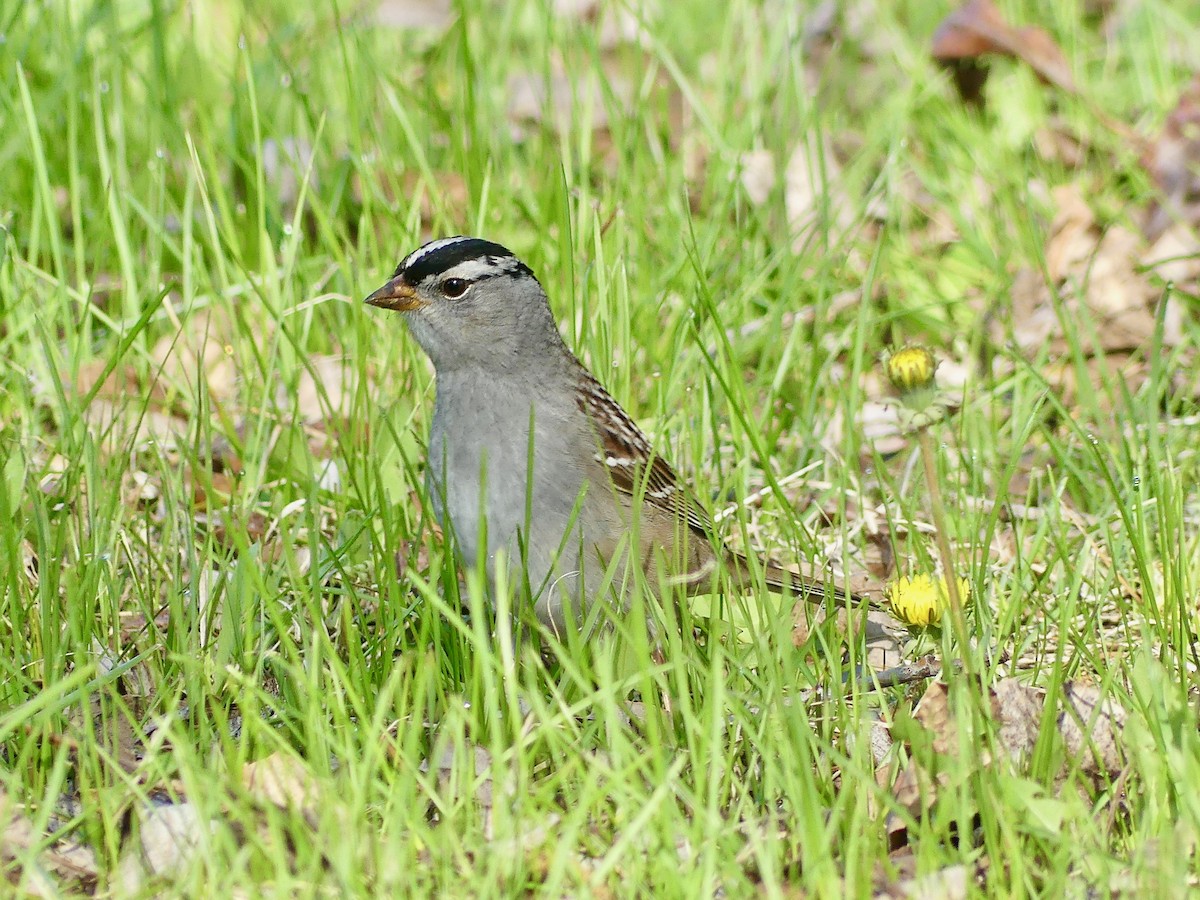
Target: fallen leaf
{"points": [[446, 194], [1105, 283], [155, 410], [1018, 709], [114, 424], [1174, 257], [325, 389], [915, 792], [61, 864], [122, 381], [1091, 726], [286, 163], [879, 424], [168, 835], [611, 24], [1173, 161], [757, 175], [283, 781], [934, 715], [950, 883], [813, 195], [415, 14], [1058, 141], [30, 565], [197, 356], [449, 764], [978, 29], [564, 102]]}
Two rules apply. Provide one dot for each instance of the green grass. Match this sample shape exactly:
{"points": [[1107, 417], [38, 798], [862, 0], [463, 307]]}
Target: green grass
{"points": [[181, 563]]}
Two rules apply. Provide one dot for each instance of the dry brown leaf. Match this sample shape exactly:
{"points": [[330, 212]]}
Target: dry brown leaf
{"points": [[1072, 232], [950, 883], [1018, 709], [803, 620], [120, 383], [447, 769], [413, 14], [813, 194], [168, 835], [880, 739], [880, 554], [62, 865], [1173, 161], [212, 492], [757, 175], [116, 423], [978, 29], [447, 195], [1091, 726], [181, 361], [125, 407], [934, 715], [1108, 280], [120, 738], [286, 163], [325, 389], [612, 24], [1174, 257], [29, 564], [229, 523], [880, 631], [915, 791], [199, 354], [878, 422], [564, 102], [1106, 268], [283, 781], [1058, 141]]}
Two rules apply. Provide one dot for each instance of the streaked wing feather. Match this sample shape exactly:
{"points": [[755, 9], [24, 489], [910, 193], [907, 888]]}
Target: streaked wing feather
{"points": [[624, 449]]}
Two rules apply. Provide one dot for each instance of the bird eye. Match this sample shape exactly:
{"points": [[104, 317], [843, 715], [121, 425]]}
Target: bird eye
{"points": [[454, 288]]}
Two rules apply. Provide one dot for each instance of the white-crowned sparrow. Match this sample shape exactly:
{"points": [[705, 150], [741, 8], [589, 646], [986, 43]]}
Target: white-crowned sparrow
{"points": [[566, 505]]}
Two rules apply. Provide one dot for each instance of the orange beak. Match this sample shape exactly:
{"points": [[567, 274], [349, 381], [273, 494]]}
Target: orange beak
{"points": [[397, 294]]}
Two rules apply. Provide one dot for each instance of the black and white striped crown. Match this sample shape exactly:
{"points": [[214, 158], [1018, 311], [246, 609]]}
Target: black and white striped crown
{"points": [[470, 258]]}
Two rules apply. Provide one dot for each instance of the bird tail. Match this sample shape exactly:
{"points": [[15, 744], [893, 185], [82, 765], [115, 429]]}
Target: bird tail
{"points": [[747, 575]]}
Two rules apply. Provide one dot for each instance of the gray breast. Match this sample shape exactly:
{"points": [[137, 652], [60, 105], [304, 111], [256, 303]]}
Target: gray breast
{"points": [[480, 461]]}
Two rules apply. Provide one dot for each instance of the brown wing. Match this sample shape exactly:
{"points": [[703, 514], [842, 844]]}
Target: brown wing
{"points": [[626, 452]]}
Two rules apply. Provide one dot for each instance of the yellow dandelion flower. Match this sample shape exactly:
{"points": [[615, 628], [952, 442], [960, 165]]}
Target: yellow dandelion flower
{"points": [[922, 599], [911, 368]]}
